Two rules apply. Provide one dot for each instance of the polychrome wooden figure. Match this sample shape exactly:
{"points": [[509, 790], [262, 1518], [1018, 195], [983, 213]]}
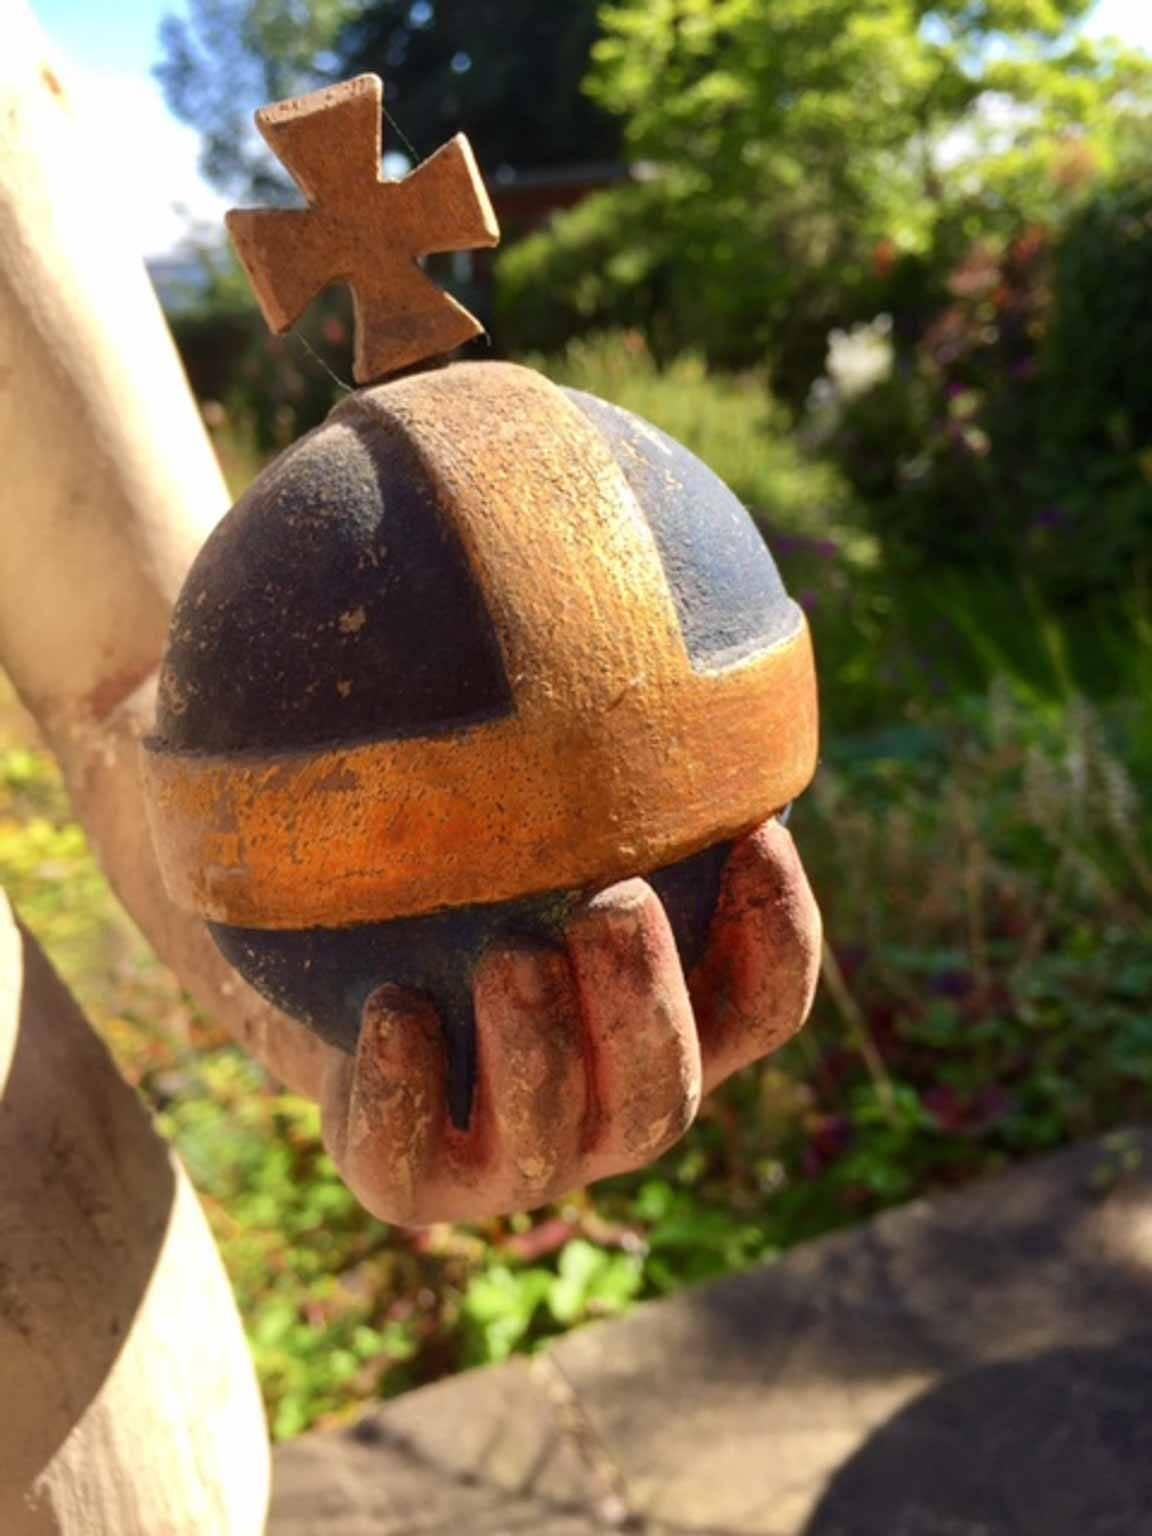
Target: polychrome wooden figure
{"points": [[475, 648]]}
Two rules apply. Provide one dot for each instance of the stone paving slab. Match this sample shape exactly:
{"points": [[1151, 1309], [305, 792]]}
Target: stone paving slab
{"points": [[976, 1365]]}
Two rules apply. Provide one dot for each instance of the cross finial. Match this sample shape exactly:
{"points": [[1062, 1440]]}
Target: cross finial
{"points": [[360, 229]]}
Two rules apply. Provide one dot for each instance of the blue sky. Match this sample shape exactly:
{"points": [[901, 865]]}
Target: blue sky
{"points": [[107, 50]]}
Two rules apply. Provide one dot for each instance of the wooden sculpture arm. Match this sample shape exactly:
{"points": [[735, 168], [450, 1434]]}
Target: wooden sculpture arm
{"points": [[110, 489], [129, 1405]]}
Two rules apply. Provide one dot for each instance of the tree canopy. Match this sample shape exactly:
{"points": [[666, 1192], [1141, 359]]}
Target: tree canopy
{"points": [[508, 73], [224, 58], [800, 143], [806, 162]]}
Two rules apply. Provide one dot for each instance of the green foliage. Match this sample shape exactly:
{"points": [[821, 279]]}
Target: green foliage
{"points": [[595, 267], [1096, 356], [225, 58], [51, 877], [1008, 460], [796, 139], [299, 1249], [508, 1306]]}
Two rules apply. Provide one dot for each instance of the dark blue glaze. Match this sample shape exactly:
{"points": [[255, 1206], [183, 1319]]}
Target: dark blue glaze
{"points": [[333, 604], [728, 592]]}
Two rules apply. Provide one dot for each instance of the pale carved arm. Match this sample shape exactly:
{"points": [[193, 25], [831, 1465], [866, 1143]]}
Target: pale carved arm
{"points": [[130, 1404], [110, 488], [129, 1400]]}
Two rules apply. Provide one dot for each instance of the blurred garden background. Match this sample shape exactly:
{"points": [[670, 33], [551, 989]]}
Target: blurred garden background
{"points": [[887, 266]]}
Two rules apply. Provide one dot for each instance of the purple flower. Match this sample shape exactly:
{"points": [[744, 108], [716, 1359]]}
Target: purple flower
{"points": [[1050, 517], [828, 1140], [951, 983]]}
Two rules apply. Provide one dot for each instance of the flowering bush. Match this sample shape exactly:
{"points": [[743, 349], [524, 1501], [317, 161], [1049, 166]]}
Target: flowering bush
{"points": [[1013, 441]]}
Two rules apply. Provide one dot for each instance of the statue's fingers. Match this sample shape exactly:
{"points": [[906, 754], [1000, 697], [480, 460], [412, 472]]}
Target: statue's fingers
{"points": [[531, 1086], [643, 1056], [384, 1109], [754, 988]]}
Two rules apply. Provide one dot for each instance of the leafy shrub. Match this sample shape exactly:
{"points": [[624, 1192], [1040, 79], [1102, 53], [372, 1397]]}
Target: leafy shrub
{"points": [[273, 388], [1099, 343], [1096, 359], [1013, 450], [683, 262], [944, 452], [592, 269]]}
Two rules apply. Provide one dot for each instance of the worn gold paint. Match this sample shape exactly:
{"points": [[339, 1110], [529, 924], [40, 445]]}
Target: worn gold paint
{"points": [[620, 758]]}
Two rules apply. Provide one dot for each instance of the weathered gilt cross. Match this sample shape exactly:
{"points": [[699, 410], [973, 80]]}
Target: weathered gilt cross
{"points": [[363, 230]]}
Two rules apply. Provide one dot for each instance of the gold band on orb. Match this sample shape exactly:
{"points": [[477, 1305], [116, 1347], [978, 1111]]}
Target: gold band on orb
{"points": [[536, 802]]}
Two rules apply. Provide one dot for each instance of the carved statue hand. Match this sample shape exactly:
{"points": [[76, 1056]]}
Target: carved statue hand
{"points": [[591, 1059]]}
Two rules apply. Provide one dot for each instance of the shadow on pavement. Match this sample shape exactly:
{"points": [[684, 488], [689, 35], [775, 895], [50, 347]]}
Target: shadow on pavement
{"points": [[1056, 1445]]}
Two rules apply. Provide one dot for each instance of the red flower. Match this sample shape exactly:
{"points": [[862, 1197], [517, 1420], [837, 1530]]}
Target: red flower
{"points": [[884, 258]]}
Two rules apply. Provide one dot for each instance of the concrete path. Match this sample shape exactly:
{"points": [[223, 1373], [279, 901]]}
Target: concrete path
{"points": [[977, 1365]]}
